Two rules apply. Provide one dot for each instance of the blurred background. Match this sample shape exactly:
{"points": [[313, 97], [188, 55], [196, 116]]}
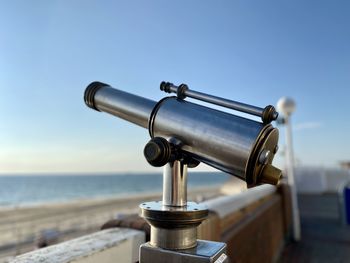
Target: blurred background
{"points": [[58, 157]]}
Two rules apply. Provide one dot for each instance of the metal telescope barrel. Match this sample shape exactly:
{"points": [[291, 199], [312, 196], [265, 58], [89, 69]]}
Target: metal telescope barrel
{"points": [[233, 144], [133, 108]]}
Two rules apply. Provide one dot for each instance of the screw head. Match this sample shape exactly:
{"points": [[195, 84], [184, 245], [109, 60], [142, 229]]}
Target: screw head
{"points": [[264, 156]]}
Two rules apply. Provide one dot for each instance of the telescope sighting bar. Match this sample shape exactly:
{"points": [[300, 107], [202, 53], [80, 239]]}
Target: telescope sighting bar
{"points": [[267, 114]]}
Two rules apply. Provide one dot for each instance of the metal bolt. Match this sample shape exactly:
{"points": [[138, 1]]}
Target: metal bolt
{"points": [[264, 156]]}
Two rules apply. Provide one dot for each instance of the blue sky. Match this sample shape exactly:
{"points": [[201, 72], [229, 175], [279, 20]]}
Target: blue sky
{"points": [[250, 51]]}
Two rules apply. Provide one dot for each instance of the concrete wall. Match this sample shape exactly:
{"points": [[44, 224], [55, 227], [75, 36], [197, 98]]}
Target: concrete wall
{"points": [[254, 224], [257, 234], [112, 245]]}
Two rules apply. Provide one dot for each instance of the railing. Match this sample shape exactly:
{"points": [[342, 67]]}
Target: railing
{"points": [[320, 180], [254, 225], [229, 204]]}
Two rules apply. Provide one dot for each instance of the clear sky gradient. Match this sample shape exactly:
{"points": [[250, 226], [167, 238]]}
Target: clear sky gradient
{"points": [[250, 51]]}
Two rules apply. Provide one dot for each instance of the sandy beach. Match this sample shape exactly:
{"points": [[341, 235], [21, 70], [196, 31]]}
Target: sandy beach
{"points": [[20, 226]]}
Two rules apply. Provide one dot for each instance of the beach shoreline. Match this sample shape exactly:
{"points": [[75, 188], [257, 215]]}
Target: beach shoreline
{"points": [[102, 198], [21, 225]]}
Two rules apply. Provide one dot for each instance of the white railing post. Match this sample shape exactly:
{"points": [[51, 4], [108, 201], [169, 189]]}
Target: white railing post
{"points": [[287, 107]]}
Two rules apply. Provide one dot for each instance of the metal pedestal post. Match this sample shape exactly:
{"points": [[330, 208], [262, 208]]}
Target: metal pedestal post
{"points": [[174, 223]]}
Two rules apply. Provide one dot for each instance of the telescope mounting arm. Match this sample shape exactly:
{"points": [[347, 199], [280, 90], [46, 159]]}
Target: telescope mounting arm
{"points": [[159, 151]]}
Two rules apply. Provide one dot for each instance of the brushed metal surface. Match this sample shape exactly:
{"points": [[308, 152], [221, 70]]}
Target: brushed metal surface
{"points": [[173, 227], [174, 238], [224, 141], [216, 138], [124, 105], [175, 184], [235, 105], [204, 252]]}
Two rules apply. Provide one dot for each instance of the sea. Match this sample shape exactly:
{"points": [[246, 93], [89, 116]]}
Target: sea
{"points": [[28, 190]]}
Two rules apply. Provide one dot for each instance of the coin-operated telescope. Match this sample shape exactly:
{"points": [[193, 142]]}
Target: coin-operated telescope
{"points": [[183, 135]]}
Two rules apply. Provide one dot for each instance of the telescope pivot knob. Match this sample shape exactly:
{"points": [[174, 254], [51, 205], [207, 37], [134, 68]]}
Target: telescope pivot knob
{"points": [[157, 151], [270, 175]]}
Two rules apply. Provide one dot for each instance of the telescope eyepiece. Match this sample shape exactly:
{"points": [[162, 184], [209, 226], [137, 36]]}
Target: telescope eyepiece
{"points": [[90, 91]]}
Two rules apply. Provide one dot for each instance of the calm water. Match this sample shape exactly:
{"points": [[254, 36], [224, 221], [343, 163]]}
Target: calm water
{"points": [[31, 189]]}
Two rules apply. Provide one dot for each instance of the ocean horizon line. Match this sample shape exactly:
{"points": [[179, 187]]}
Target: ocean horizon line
{"points": [[96, 173]]}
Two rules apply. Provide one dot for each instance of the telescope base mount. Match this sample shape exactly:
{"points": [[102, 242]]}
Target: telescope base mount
{"points": [[204, 252], [173, 220], [174, 235], [173, 227]]}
